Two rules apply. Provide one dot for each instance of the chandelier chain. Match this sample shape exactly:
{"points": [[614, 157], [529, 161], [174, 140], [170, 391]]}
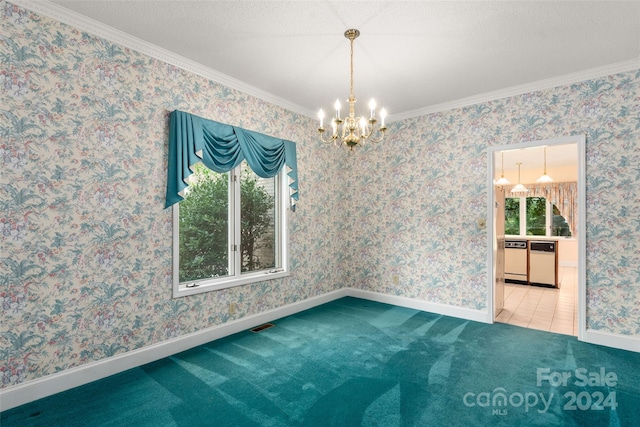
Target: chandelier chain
{"points": [[351, 71]]}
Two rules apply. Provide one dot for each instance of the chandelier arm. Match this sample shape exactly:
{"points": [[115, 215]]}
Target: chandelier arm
{"points": [[382, 131], [322, 138]]}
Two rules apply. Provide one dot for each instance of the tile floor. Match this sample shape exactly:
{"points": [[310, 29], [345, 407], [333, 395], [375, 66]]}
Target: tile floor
{"points": [[547, 309]]}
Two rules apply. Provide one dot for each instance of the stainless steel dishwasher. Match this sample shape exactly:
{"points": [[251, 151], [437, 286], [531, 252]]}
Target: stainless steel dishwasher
{"points": [[543, 263]]}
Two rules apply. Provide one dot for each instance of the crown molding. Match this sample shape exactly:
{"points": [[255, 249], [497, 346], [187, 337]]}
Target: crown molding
{"points": [[593, 73], [69, 17], [83, 23]]}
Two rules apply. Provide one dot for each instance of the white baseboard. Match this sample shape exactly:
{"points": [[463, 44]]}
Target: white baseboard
{"points": [[573, 264], [74, 377], [623, 342], [446, 310]]}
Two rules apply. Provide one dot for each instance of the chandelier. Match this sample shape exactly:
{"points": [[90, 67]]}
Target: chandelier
{"points": [[353, 130]]}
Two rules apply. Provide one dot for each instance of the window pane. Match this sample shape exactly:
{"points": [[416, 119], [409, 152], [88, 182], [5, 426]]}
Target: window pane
{"points": [[204, 226], [536, 216], [512, 216], [560, 227], [257, 216]]}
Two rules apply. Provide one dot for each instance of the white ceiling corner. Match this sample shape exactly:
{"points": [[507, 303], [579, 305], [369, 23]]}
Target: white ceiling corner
{"points": [[415, 57]]}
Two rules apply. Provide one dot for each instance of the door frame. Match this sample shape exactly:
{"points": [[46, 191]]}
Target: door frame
{"points": [[580, 141]]}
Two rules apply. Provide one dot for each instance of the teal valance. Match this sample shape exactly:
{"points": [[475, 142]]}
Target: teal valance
{"points": [[221, 148]]}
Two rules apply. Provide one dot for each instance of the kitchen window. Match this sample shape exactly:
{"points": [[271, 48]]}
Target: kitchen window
{"points": [[229, 230], [534, 216]]}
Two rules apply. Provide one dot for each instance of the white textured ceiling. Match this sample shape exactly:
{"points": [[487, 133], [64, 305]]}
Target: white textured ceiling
{"points": [[564, 156], [411, 55]]}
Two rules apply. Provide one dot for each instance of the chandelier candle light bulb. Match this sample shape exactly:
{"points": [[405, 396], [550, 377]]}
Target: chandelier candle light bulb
{"points": [[352, 131]]}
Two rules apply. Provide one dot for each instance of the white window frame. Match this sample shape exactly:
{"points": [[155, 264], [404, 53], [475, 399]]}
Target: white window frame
{"points": [[523, 216], [238, 278]]}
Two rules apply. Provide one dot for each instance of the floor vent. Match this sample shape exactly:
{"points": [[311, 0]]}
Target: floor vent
{"points": [[262, 327]]}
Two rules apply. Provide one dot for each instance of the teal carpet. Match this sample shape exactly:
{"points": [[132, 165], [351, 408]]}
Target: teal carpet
{"points": [[353, 362]]}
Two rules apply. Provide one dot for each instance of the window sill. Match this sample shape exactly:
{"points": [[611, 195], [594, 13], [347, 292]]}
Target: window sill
{"points": [[183, 290]]}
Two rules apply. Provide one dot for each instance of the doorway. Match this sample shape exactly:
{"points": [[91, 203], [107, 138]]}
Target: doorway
{"points": [[531, 216]]}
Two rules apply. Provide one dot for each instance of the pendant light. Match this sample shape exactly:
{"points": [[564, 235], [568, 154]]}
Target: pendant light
{"points": [[502, 180], [519, 188], [545, 178]]}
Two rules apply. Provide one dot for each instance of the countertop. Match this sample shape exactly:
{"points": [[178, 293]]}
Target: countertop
{"points": [[547, 238]]}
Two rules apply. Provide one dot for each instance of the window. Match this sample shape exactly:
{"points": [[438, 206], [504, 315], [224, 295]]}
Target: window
{"points": [[533, 216], [536, 216], [512, 216], [229, 230]]}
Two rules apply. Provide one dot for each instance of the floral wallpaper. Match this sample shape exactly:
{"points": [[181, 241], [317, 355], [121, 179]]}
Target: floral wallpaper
{"points": [[416, 199], [85, 269]]}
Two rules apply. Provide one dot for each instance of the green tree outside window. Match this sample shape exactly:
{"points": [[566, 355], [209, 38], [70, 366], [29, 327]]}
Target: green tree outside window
{"points": [[534, 218], [512, 216], [204, 225]]}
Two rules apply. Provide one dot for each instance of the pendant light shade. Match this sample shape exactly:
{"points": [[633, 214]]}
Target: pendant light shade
{"points": [[502, 180], [545, 178], [519, 188]]}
